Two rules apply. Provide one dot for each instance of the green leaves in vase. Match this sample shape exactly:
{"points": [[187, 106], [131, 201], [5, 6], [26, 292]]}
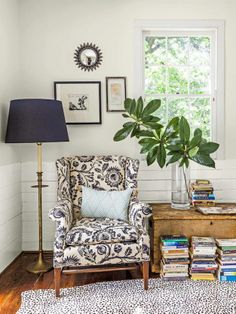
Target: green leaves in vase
{"points": [[164, 144]]}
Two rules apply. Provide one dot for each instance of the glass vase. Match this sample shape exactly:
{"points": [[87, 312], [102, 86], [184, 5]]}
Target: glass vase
{"points": [[180, 193]]}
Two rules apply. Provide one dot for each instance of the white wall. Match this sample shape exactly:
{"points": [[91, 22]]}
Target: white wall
{"points": [[52, 29], [10, 168]]}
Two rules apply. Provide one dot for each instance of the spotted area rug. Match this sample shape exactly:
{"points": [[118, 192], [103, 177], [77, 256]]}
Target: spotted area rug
{"points": [[128, 297]]}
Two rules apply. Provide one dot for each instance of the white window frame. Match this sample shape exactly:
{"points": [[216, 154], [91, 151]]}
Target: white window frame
{"points": [[213, 27]]}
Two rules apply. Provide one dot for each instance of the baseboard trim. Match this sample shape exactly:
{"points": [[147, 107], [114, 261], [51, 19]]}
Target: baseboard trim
{"points": [[12, 262], [36, 252], [47, 252]]}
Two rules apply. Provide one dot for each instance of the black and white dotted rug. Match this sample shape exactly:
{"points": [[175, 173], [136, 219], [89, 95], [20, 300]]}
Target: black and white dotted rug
{"points": [[128, 297]]}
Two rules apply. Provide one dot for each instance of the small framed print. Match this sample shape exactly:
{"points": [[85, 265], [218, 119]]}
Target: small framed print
{"points": [[116, 93], [81, 101]]}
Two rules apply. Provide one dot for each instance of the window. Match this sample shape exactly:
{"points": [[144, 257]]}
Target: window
{"points": [[179, 71], [181, 64]]}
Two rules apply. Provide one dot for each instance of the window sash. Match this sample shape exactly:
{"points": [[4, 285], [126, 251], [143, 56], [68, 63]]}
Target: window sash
{"points": [[189, 96], [186, 26]]}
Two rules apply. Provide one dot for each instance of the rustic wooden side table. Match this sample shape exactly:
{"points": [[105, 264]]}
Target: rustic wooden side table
{"points": [[166, 220]]}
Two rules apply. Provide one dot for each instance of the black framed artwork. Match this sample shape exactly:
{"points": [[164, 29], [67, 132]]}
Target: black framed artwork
{"points": [[116, 93], [81, 101]]}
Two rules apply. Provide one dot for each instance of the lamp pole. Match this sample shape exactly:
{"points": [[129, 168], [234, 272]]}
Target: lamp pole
{"points": [[40, 266]]}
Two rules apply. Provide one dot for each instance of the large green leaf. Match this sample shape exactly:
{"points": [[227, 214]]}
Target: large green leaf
{"points": [[150, 119], [171, 128], [186, 161], [122, 134], [184, 130], [127, 104], [151, 107], [128, 124], [146, 133], [135, 131], [195, 141], [153, 125], [198, 132], [133, 107], [193, 151], [139, 107], [146, 148], [208, 148], [147, 140], [204, 160], [173, 147], [125, 115], [147, 144], [174, 158], [161, 155], [174, 123], [151, 156]]}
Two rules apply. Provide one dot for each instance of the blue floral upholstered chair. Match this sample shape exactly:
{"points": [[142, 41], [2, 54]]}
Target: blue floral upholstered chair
{"points": [[82, 243]]}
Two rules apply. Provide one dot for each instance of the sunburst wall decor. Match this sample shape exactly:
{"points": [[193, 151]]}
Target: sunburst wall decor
{"points": [[88, 57]]}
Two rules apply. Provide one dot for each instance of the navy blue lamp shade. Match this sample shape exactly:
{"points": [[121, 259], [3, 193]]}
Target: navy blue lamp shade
{"points": [[36, 121]]}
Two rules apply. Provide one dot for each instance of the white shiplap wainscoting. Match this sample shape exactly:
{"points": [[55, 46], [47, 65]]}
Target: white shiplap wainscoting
{"points": [[154, 186], [10, 213]]}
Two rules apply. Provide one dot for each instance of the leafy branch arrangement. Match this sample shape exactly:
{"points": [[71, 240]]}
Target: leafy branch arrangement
{"points": [[164, 144]]}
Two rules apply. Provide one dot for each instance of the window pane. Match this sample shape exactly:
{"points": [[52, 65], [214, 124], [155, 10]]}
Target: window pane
{"points": [[177, 50], [199, 51], [178, 69], [155, 50], [155, 80], [200, 115], [177, 80], [178, 107], [199, 82]]}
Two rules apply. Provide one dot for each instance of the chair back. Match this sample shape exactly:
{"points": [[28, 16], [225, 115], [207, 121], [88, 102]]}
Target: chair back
{"points": [[110, 173]]}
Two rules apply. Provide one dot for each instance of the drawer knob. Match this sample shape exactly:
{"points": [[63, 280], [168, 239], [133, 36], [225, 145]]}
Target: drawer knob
{"points": [[211, 223]]}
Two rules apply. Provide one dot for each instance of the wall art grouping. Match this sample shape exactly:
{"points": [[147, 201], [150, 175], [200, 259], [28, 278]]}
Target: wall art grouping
{"points": [[82, 99]]}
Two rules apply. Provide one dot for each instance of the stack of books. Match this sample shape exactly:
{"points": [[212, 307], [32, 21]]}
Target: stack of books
{"points": [[175, 257], [202, 193], [203, 258], [226, 259]]}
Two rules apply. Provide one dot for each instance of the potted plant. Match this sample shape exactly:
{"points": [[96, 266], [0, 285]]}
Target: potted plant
{"points": [[173, 143]]}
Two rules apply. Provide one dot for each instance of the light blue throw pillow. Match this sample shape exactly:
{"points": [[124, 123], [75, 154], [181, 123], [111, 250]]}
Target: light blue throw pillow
{"points": [[105, 204]]}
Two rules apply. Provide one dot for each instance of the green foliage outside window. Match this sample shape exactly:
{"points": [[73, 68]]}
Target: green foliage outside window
{"points": [[177, 71]]}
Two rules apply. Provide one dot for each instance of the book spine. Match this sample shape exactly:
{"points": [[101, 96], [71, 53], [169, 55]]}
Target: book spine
{"points": [[173, 243], [203, 197], [227, 269], [174, 251], [227, 278]]}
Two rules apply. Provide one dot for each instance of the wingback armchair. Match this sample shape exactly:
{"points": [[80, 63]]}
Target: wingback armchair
{"points": [[91, 242]]}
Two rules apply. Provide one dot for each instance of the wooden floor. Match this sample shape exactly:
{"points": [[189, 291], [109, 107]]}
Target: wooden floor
{"points": [[16, 279]]}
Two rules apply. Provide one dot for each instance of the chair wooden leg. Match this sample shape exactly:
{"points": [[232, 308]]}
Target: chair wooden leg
{"points": [[145, 275], [57, 280]]}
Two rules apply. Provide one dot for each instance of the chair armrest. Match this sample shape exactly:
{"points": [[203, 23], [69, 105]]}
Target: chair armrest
{"points": [[63, 215], [138, 214]]}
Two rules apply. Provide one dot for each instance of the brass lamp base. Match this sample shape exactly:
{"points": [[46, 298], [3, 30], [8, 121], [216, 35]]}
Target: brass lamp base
{"points": [[40, 266]]}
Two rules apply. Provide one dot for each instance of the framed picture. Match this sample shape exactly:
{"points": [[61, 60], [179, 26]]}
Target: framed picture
{"points": [[81, 101], [116, 93]]}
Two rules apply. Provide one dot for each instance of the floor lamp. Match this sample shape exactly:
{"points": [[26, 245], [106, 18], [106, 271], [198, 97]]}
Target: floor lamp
{"points": [[37, 121]]}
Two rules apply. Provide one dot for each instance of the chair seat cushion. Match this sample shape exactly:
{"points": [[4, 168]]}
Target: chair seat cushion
{"points": [[100, 230]]}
